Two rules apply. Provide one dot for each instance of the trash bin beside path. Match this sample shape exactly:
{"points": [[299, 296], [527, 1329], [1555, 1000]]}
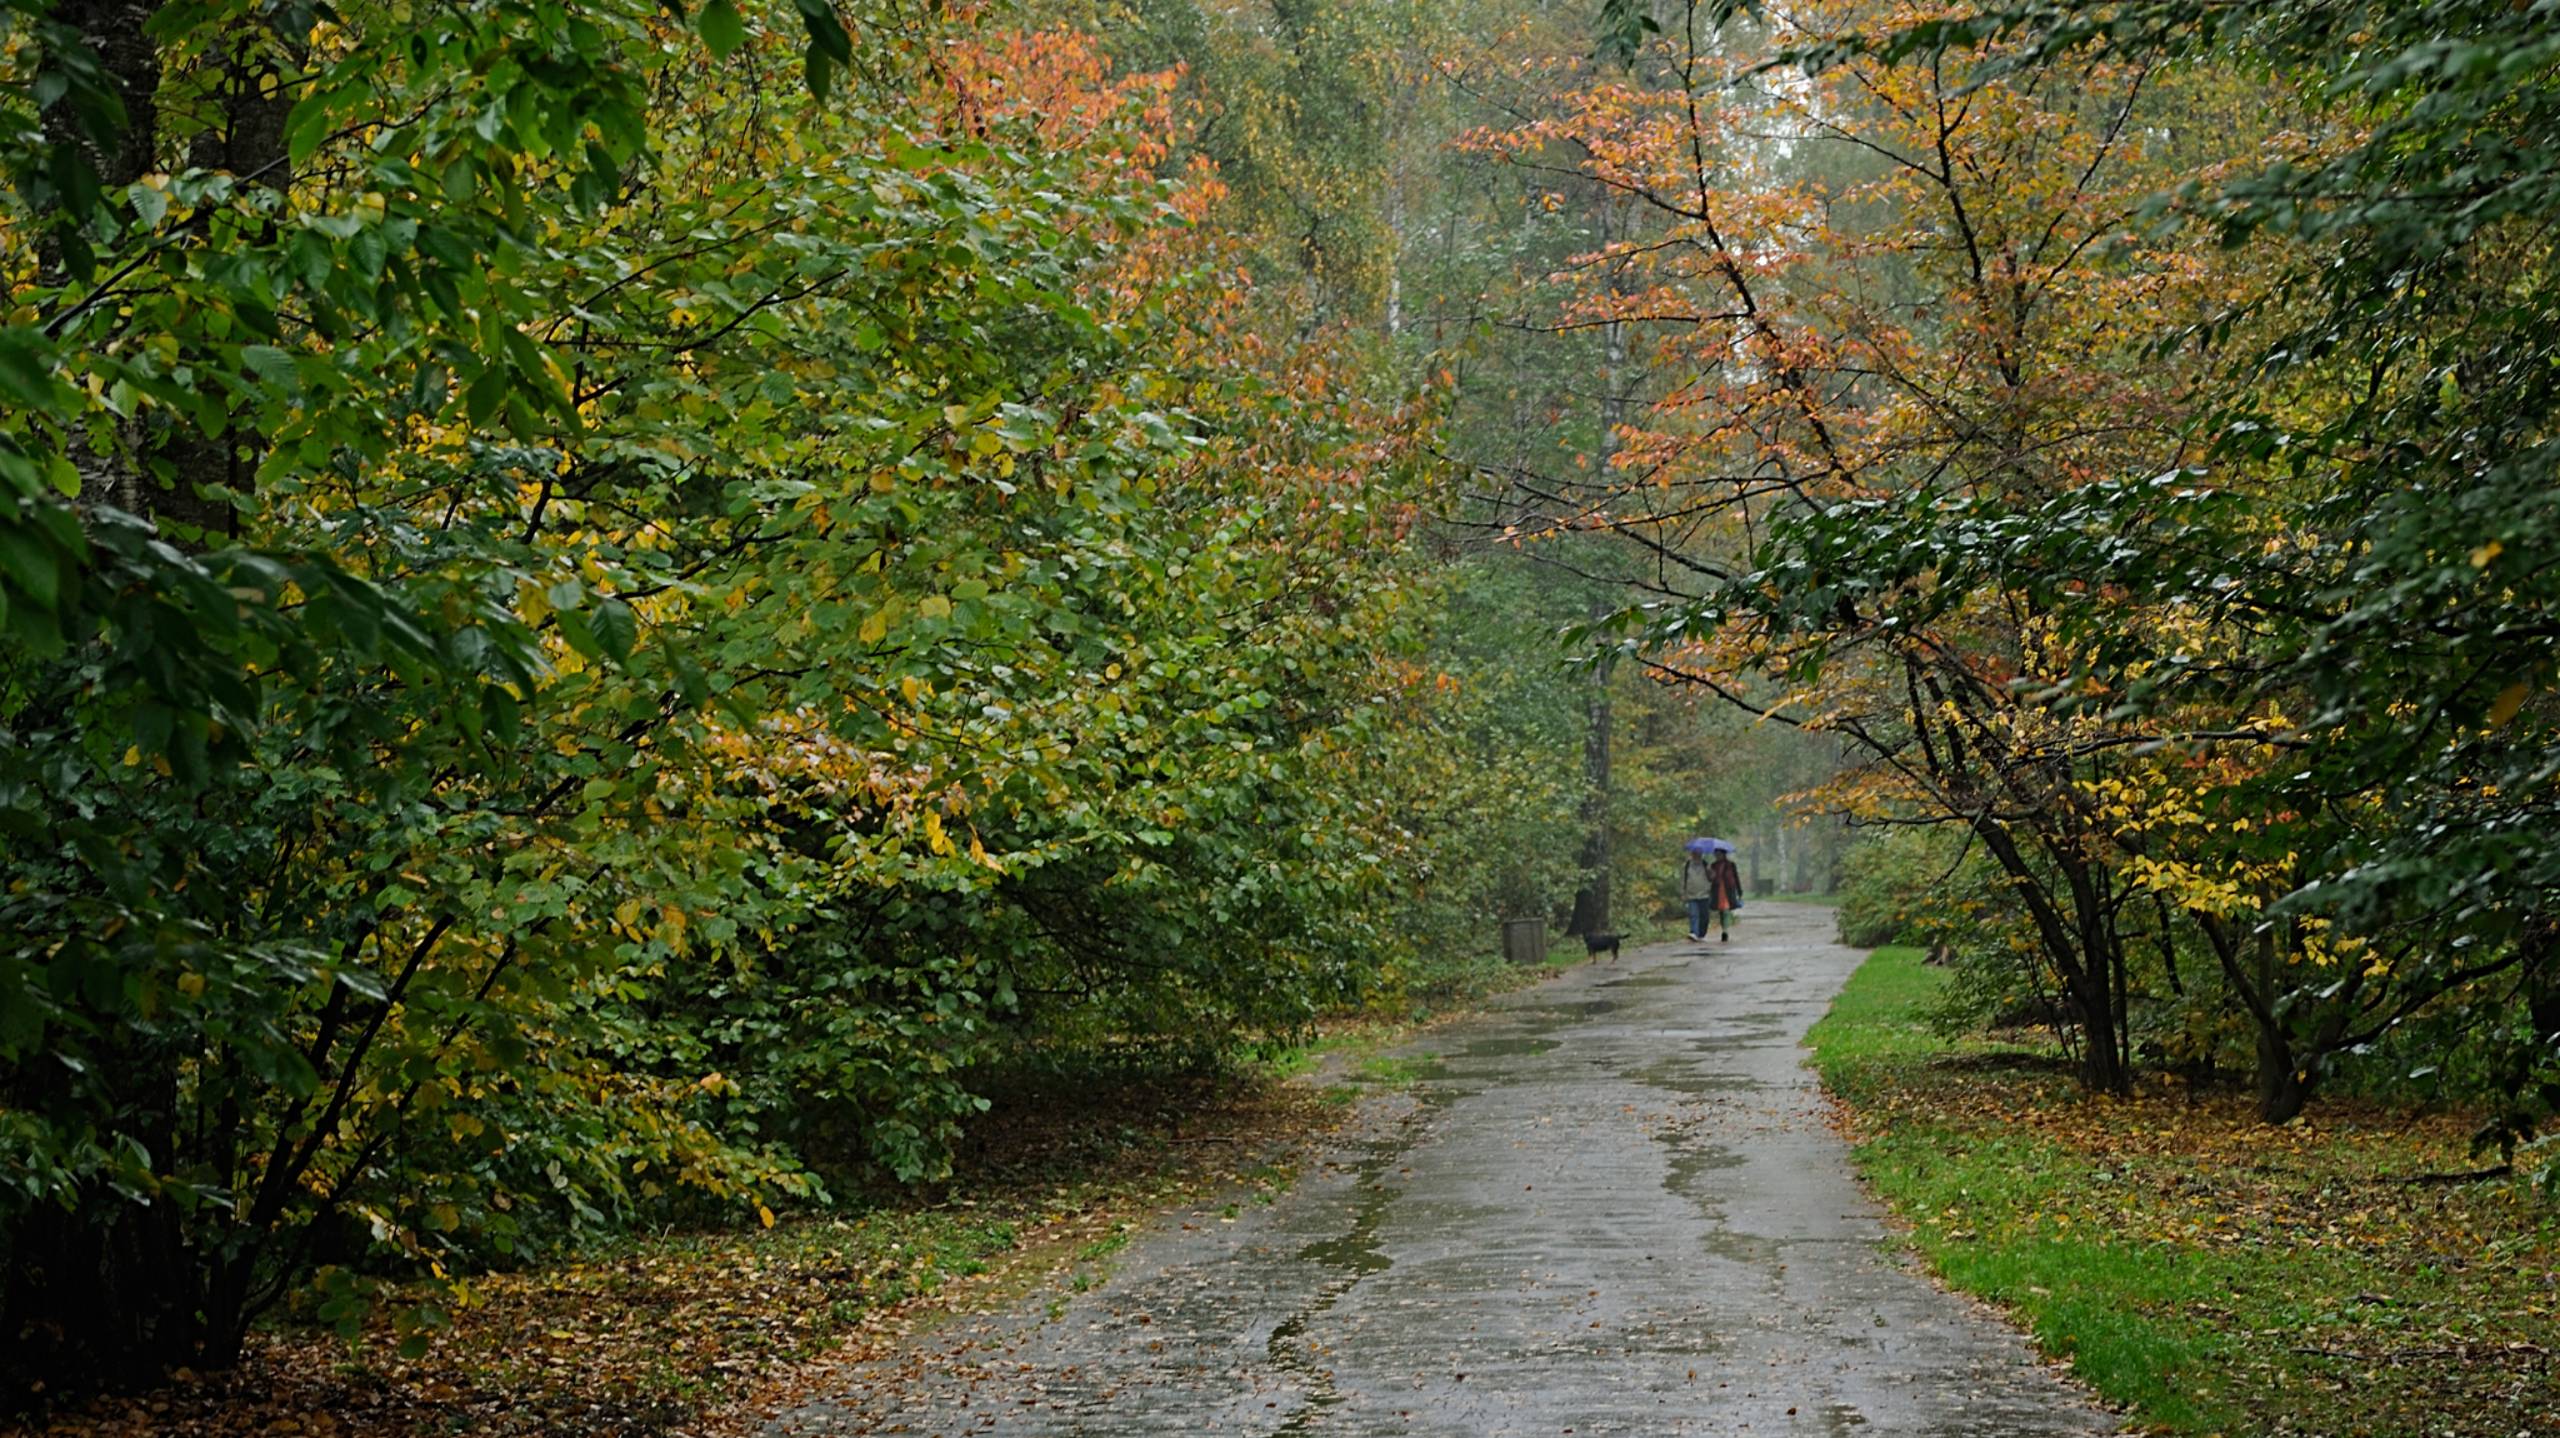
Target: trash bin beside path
{"points": [[1524, 941]]}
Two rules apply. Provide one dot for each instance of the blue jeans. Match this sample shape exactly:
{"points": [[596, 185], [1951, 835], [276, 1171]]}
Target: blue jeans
{"points": [[1698, 911]]}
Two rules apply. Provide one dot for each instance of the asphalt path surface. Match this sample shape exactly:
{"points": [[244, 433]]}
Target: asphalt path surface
{"points": [[1609, 1206]]}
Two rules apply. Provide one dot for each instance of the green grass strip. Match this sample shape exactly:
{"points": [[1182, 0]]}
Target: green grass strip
{"points": [[2207, 1274]]}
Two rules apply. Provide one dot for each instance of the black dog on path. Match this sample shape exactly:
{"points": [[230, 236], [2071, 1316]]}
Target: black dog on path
{"points": [[1594, 943]]}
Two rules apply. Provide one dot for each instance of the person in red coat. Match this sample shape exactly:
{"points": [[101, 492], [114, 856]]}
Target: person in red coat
{"points": [[1724, 893]]}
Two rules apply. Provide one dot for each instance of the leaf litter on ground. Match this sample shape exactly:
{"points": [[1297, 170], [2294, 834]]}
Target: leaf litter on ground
{"points": [[684, 1335], [2219, 1275]]}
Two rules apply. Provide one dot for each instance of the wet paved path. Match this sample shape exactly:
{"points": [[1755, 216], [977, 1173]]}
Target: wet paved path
{"points": [[1612, 1207]]}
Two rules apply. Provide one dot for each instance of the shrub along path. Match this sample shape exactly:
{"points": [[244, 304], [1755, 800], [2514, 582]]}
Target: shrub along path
{"points": [[691, 1333], [1612, 1206]]}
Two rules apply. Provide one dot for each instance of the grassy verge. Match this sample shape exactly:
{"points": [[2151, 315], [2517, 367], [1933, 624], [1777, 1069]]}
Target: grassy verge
{"points": [[2212, 1275]]}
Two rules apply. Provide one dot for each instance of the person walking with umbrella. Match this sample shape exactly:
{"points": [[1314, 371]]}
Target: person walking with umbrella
{"points": [[1710, 884]]}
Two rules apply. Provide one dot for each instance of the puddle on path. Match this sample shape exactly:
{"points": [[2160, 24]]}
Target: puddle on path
{"points": [[1349, 1258], [1578, 1009], [1356, 1254], [1505, 1048], [1748, 1249], [1416, 1071], [1681, 1076], [1688, 1163], [1840, 1419], [1738, 1039]]}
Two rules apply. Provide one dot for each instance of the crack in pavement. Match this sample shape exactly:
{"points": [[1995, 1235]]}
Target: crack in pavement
{"points": [[1610, 1205]]}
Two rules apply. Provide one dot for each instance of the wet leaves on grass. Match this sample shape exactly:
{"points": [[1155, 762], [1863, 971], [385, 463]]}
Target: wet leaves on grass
{"points": [[2216, 1274]]}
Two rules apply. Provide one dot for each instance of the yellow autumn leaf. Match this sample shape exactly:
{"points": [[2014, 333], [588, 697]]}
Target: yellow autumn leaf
{"points": [[2509, 700]]}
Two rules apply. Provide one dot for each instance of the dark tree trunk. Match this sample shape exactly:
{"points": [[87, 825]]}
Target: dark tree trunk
{"points": [[2541, 946], [2281, 1090], [2093, 993], [115, 31], [110, 1291], [2080, 948], [2283, 1087], [1591, 899], [248, 142], [2102, 1068]]}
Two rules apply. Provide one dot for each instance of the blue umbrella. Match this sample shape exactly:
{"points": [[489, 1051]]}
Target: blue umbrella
{"points": [[1709, 846]]}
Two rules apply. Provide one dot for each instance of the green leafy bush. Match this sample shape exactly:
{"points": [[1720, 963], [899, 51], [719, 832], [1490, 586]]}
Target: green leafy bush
{"points": [[586, 675], [1896, 887]]}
